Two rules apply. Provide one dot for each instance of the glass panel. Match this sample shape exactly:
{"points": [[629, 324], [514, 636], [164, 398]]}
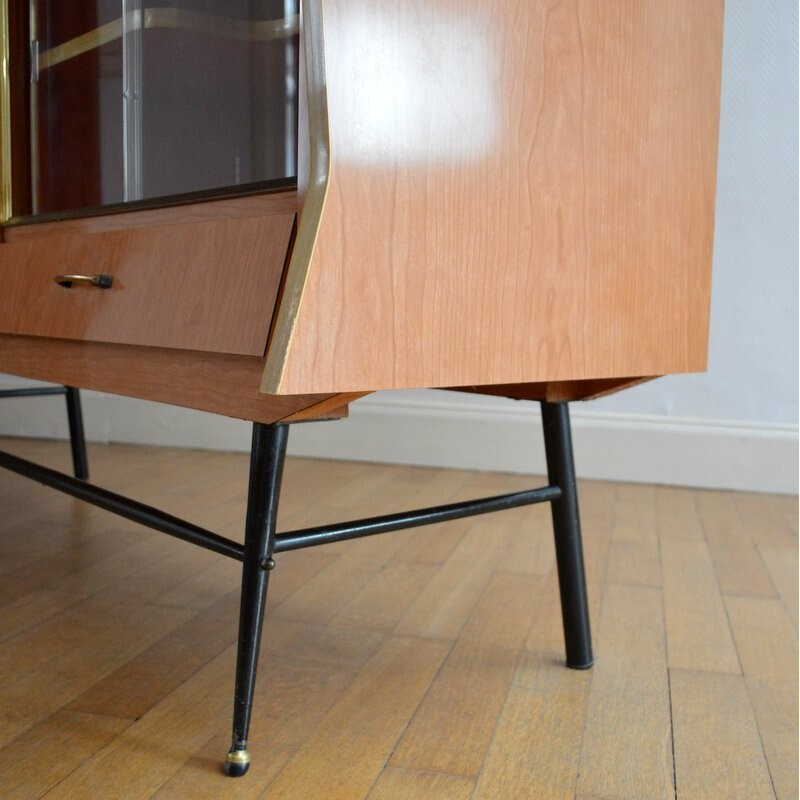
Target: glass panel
{"points": [[140, 99]]}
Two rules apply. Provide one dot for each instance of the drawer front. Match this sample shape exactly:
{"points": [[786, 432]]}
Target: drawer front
{"points": [[207, 286]]}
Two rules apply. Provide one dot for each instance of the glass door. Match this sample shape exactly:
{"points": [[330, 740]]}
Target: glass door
{"points": [[114, 104]]}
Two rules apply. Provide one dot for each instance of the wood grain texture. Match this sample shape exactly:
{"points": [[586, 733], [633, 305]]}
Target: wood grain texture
{"points": [[200, 776], [782, 564], [209, 286], [215, 382], [785, 506], [518, 192], [535, 747], [301, 662], [715, 708], [283, 202], [31, 771], [633, 557], [396, 783], [698, 632], [739, 567], [56, 681], [333, 407], [767, 645], [148, 768], [556, 391], [473, 682], [120, 646], [444, 605], [328, 594], [354, 740], [677, 515], [767, 526], [627, 747]]}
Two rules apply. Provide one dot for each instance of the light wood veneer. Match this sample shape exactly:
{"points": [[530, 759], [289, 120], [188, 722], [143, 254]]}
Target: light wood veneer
{"points": [[561, 231], [114, 634], [510, 197], [556, 391], [172, 285], [278, 202], [219, 383]]}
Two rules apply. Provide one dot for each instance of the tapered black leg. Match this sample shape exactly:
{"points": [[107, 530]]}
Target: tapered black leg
{"points": [[567, 530], [266, 469], [80, 463]]}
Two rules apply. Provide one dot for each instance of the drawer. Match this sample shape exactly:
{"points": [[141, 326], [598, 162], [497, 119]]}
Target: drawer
{"points": [[208, 285]]}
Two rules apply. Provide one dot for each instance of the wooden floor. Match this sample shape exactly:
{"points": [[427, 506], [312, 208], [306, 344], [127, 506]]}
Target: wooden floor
{"points": [[420, 664]]}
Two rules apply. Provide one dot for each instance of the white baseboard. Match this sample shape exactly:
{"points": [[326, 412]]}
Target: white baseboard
{"points": [[450, 430]]}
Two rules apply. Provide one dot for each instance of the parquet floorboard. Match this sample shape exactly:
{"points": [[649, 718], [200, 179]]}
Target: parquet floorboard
{"points": [[424, 664]]}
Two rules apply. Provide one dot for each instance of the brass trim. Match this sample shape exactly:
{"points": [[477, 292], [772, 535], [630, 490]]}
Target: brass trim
{"points": [[242, 30], [5, 116], [238, 757], [313, 41], [33, 108]]}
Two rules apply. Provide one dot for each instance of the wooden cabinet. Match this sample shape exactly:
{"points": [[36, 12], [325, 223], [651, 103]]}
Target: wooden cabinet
{"points": [[292, 207], [321, 200]]}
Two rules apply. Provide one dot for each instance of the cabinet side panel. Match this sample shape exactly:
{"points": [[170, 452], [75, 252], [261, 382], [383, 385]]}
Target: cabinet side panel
{"points": [[519, 192]]}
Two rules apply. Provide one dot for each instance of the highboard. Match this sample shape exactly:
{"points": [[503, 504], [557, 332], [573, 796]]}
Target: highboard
{"points": [[270, 208]]}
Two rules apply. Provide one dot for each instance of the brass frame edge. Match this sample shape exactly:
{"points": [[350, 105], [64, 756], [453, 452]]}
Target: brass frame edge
{"points": [[5, 116], [254, 30], [309, 221]]}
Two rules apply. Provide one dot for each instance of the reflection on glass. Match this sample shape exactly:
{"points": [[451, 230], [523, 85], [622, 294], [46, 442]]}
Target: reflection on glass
{"points": [[140, 99]]}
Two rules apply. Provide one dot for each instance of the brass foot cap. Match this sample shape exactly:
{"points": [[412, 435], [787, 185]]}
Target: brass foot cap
{"points": [[237, 762]]}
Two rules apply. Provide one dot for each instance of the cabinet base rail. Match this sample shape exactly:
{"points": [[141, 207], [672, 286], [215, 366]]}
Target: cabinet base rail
{"points": [[261, 541]]}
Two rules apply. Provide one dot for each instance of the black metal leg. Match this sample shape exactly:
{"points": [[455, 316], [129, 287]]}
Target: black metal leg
{"points": [[266, 469], [80, 463], [567, 530]]}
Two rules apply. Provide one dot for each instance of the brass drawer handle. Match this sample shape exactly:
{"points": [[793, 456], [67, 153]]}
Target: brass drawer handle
{"points": [[101, 281]]}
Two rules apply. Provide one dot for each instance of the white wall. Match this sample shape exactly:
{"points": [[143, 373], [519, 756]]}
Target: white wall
{"points": [[735, 426], [752, 375]]}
